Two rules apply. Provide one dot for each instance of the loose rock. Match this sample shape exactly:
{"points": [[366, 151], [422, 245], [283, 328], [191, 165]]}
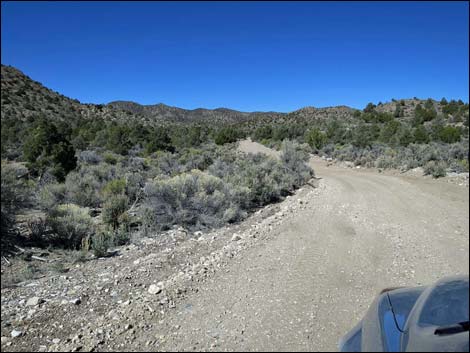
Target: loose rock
{"points": [[236, 237], [34, 301], [154, 289], [16, 333]]}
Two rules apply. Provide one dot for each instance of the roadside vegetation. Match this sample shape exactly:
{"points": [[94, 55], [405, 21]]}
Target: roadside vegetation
{"points": [[94, 198], [434, 136], [92, 177]]}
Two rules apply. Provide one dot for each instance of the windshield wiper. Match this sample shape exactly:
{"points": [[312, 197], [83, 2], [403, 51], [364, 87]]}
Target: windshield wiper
{"points": [[451, 329]]}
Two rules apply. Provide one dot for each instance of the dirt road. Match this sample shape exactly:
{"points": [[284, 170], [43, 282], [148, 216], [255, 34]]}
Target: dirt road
{"points": [[315, 277]]}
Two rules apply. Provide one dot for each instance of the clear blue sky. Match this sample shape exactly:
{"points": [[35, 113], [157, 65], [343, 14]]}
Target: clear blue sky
{"points": [[249, 56]]}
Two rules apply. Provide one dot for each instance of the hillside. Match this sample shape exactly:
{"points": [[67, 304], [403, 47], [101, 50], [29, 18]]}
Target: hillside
{"points": [[162, 112], [22, 98]]}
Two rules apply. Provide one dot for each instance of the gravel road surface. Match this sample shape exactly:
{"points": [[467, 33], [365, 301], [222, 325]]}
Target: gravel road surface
{"points": [[315, 277]]}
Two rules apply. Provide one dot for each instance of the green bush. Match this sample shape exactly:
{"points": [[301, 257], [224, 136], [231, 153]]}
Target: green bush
{"points": [[114, 209], [15, 196], [261, 179], [110, 158], [263, 133], [15, 187], [100, 244], [47, 149], [265, 179], [421, 135], [82, 188], [450, 134], [226, 135], [70, 224], [159, 141], [50, 195], [436, 169], [114, 187], [195, 200], [295, 159], [315, 138], [118, 139], [370, 108], [427, 113], [121, 235]]}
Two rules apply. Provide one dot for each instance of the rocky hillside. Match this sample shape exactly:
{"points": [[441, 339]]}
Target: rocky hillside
{"points": [[24, 98], [341, 112], [406, 105], [158, 112]]}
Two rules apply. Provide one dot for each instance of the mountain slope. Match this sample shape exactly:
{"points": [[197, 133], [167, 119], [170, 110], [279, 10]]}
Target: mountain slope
{"points": [[164, 112], [24, 98]]}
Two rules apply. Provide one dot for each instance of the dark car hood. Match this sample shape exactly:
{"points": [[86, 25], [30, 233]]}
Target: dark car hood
{"points": [[443, 304], [406, 319]]}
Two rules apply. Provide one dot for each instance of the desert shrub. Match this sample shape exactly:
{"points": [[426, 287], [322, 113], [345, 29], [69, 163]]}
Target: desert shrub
{"points": [[89, 157], [110, 158], [294, 159], [459, 150], [195, 159], [167, 163], [37, 228], [136, 164], [404, 157], [114, 187], [327, 150], [100, 243], [266, 179], [51, 195], [83, 188], [134, 185], [422, 115], [195, 200], [263, 179], [15, 187], [459, 166], [389, 130], [121, 235], [385, 162], [315, 138], [70, 224], [15, 194], [436, 169], [449, 134], [114, 209]]}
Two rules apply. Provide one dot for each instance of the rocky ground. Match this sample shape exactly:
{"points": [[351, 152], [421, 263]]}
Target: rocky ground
{"points": [[106, 303], [294, 276]]}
